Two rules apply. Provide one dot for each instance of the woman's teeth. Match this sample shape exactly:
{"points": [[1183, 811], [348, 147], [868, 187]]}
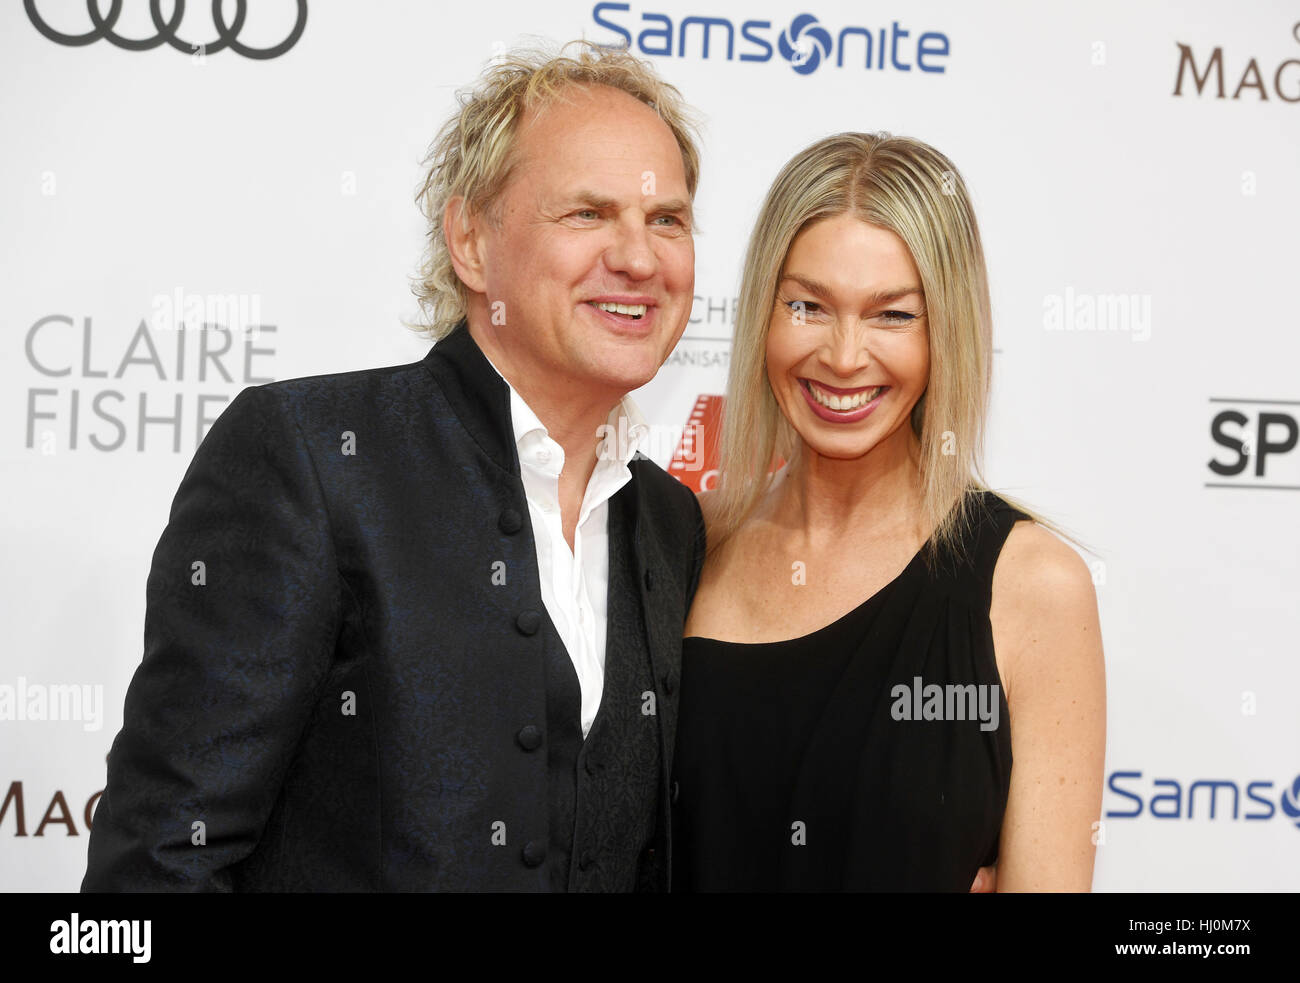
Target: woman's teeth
{"points": [[634, 310], [842, 403]]}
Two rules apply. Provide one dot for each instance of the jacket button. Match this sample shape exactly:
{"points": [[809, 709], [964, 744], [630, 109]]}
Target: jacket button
{"points": [[675, 791], [528, 622], [586, 863], [591, 766], [534, 853], [669, 684], [529, 738], [649, 581], [510, 522]]}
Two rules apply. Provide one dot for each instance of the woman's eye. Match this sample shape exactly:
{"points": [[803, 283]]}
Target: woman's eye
{"points": [[897, 317], [803, 306]]}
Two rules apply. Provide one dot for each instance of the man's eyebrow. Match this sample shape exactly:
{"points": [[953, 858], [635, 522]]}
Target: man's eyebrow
{"points": [[674, 206], [592, 199], [825, 292]]}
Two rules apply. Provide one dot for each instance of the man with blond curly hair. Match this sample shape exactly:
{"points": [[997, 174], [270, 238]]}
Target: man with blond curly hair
{"points": [[435, 643]]}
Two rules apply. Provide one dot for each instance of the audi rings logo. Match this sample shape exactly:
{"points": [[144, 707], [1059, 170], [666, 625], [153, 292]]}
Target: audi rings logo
{"points": [[227, 34]]}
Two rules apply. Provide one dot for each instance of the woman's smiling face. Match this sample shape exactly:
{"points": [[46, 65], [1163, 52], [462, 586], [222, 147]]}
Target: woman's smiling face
{"points": [[848, 346]]}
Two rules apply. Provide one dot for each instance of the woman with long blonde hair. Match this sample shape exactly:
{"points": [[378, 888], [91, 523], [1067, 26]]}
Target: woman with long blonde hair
{"points": [[877, 636]]}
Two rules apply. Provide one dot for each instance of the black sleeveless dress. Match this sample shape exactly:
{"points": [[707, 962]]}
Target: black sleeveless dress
{"points": [[871, 755]]}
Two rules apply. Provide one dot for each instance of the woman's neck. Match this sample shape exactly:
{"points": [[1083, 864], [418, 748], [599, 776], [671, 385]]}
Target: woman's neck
{"points": [[865, 498]]}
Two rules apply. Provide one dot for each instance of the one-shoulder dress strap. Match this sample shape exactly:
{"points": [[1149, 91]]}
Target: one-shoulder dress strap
{"points": [[991, 519]]}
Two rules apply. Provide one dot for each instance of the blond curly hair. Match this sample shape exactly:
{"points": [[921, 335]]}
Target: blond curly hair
{"points": [[472, 155]]}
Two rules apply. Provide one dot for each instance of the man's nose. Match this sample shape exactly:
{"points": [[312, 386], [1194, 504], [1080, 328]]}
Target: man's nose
{"points": [[632, 251]]}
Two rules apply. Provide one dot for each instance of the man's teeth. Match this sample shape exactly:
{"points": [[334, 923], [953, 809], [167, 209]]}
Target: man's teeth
{"points": [[843, 403], [635, 310]]}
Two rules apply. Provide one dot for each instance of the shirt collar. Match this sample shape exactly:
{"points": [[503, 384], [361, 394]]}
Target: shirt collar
{"points": [[625, 419]]}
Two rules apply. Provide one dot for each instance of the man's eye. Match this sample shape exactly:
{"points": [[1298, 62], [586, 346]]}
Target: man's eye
{"points": [[587, 213], [670, 219]]}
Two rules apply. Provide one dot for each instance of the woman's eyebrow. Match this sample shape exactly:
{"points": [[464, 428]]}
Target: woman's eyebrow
{"points": [[879, 297]]}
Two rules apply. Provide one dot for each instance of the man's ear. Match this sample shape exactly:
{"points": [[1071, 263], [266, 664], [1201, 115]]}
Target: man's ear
{"points": [[460, 230]]}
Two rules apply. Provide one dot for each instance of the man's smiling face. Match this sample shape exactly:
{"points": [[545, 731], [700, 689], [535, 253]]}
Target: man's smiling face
{"points": [[590, 247]]}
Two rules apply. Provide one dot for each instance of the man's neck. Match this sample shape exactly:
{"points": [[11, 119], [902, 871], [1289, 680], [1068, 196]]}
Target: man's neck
{"points": [[571, 414]]}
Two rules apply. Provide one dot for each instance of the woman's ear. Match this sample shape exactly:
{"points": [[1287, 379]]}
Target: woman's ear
{"points": [[460, 230]]}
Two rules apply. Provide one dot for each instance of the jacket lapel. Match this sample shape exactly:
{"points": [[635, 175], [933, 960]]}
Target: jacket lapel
{"points": [[481, 401], [664, 638], [480, 397]]}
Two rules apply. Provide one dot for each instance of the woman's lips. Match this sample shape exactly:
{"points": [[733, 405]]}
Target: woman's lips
{"points": [[840, 416]]}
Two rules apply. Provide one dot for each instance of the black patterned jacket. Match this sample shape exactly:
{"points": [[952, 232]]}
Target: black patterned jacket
{"points": [[332, 688]]}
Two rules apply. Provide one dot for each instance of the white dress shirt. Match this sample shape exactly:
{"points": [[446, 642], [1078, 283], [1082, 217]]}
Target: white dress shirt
{"points": [[575, 583]]}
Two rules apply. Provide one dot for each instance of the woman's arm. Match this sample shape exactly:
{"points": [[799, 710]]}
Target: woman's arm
{"points": [[1048, 641]]}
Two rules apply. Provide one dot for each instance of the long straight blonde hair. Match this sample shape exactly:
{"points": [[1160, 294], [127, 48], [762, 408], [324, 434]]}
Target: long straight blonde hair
{"points": [[911, 189]]}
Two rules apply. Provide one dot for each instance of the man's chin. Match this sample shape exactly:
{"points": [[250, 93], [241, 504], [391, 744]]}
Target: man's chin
{"points": [[625, 371], [624, 383]]}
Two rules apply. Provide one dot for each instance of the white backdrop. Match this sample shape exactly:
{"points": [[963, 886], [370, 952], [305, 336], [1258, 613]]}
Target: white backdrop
{"points": [[1142, 244]]}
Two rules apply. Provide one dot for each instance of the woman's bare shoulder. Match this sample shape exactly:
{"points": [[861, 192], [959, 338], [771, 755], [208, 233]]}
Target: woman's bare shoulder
{"points": [[1035, 567], [1044, 605]]}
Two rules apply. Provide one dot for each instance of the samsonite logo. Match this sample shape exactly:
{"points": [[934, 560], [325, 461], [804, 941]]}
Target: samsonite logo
{"points": [[805, 43], [1202, 798]]}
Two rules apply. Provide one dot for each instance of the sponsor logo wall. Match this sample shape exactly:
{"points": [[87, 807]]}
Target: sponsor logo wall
{"points": [[200, 198]]}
